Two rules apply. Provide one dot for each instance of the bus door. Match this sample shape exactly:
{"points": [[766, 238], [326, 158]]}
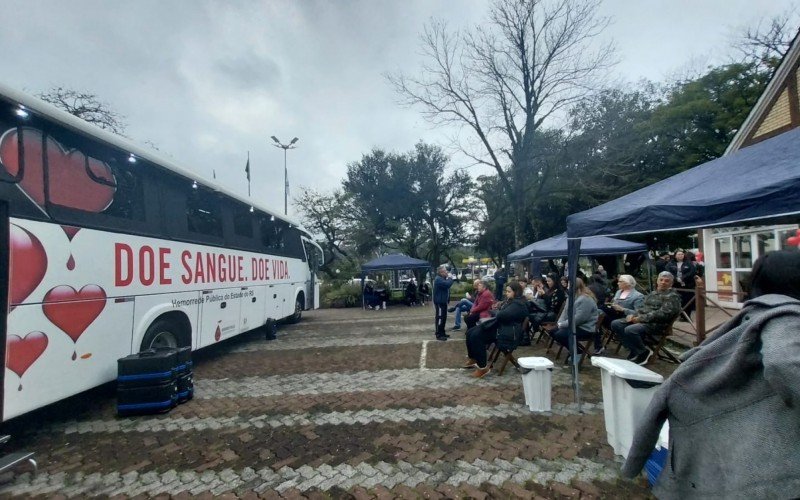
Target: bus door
{"points": [[219, 315], [4, 266], [313, 259], [253, 307], [274, 302]]}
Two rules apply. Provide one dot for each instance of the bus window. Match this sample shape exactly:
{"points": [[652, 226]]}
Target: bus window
{"points": [[242, 220], [202, 212]]}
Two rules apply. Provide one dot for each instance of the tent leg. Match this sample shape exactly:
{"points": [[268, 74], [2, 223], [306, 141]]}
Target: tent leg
{"points": [[573, 250]]}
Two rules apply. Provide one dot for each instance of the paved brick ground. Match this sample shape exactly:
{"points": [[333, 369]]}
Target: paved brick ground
{"points": [[345, 404]]}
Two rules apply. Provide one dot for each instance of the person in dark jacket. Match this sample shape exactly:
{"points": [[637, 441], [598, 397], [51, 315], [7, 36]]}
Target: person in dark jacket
{"points": [[506, 330], [733, 405], [684, 271], [441, 296], [554, 297]]}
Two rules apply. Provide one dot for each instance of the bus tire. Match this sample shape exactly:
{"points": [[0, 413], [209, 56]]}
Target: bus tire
{"points": [[270, 329], [298, 311], [163, 333]]}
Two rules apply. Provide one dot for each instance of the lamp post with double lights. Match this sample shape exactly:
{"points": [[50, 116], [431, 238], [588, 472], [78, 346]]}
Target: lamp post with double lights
{"points": [[285, 148]]}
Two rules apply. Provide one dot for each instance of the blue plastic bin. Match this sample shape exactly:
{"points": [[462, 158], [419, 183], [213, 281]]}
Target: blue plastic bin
{"points": [[655, 464]]}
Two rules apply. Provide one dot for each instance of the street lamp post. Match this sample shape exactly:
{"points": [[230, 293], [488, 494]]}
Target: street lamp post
{"points": [[285, 148]]}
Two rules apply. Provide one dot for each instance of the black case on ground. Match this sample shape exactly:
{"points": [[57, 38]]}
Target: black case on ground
{"points": [[154, 381]]}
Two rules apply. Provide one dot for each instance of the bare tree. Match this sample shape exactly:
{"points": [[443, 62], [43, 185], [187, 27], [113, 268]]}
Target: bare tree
{"points": [[501, 81], [328, 215], [87, 107], [769, 40]]}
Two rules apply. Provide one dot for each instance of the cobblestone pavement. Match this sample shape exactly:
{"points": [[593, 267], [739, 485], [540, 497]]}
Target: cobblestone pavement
{"points": [[345, 404]]}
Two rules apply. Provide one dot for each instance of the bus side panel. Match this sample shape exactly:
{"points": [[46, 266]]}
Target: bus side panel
{"points": [[150, 307], [67, 359], [254, 308], [219, 315]]}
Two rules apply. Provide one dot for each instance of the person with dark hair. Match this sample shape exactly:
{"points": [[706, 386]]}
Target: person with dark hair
{"points": [[733, 405], [554, 297], [505, 330], [684, 271]]}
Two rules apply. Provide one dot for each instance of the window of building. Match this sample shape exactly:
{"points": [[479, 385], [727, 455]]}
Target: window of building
{"points": [[766, 242], [723, 249], [743, 251]]}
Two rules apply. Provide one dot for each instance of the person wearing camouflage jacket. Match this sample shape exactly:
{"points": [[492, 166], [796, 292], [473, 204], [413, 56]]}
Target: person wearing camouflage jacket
{"points": [[658, 311]]}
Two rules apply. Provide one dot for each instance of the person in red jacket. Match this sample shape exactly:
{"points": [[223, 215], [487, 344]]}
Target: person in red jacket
{"points": [[482, 306]]}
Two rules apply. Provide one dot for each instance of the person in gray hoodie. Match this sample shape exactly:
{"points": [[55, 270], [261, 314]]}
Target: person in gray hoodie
{"points": [[733, 405], [585, 317]]}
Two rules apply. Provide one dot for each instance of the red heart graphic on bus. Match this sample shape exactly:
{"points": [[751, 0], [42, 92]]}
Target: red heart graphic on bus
{"points": [[21, 353], [73, 311], [28, 264], [75, 180]]}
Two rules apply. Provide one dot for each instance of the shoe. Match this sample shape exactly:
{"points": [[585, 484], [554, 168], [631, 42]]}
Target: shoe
{"points": [[470, 364], [599, 352], [441, 337], [451, 309], [457, 327], [481, 372], [631, 355], [643, 357]]}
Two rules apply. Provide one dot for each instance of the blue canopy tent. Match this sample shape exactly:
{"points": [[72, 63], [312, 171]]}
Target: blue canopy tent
{"points": [[556, 246], [757, 182], [391, 262]]}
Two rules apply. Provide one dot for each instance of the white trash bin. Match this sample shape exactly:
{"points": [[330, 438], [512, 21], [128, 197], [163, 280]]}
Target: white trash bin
{"points": [[537, 382], [627, 390]]}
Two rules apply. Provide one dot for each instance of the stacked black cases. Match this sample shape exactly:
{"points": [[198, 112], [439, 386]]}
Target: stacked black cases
{"points": [[183, 374], [147, 382]]}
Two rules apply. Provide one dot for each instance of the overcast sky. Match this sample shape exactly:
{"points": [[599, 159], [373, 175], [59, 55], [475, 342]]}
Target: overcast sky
{"points": [[206, 81]]}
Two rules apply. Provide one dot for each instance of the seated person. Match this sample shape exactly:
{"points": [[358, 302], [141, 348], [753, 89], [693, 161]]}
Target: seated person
{"points": [[659, 309], [585, 317], [463, 306], [597, 285], [411, 293], [482, 306], [625, 301], [505, 332], [371, 299], [425, 292], [554, 297]]}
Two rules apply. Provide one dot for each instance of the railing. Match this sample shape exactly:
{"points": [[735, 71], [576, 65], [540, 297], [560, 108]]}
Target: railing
{"points": [[703, 302]]}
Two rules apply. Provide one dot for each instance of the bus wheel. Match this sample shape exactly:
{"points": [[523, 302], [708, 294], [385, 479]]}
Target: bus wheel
{"points": [[270, 329], [298, 311], [162, 333]]}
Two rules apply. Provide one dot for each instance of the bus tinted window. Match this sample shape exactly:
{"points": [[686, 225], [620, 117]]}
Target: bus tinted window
{"points": [[242, 220], [203, 213]]}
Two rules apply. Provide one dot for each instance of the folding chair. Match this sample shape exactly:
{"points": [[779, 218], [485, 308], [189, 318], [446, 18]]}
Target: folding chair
{"points": [[658, 346], [13, 459], [508, 356], [583, 345]]}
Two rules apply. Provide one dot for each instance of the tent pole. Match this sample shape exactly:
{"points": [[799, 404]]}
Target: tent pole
{"points": [[573, 250]]}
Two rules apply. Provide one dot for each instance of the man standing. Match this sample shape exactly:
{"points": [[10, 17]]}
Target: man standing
{"points": [[441, 296], [659, 310], [463, 306]]}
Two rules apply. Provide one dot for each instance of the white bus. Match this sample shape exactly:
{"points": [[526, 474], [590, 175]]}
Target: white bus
{"points": [[107, 249]]}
